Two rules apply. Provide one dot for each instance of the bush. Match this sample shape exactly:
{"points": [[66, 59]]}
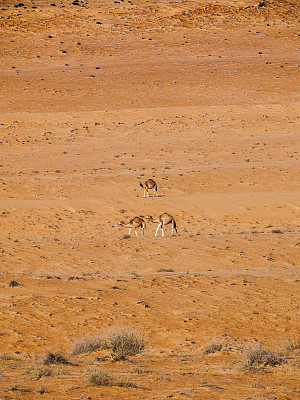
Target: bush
{"points": [[38, 373], [258, 357], [293, 343], [55, 358], [87, 345], [100, 378], [122, 342], [125, 343], [212, 348]]}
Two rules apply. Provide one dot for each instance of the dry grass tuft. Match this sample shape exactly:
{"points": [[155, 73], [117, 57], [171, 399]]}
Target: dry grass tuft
{"points": [[124, 343], [165, 270], [88, 345], [55, 358], [293, 343], [100, 378], [42, 390], [212, 348], [17, 388], [257, 357], [40, 372]]}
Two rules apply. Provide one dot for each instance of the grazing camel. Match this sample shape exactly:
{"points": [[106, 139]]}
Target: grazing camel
{"points": [[134, 223], [162, 220], [149, 184]]}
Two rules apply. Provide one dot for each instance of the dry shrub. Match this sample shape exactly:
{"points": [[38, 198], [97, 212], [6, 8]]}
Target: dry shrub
{"points": [[258, 357], [293, 343], [38, 373], [55, 358], [100, 378], [42, 390], [18, 388], [124, 343], [165, 270], [212, 348], [88, 345]]}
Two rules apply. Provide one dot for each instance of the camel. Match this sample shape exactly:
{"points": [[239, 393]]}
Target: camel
{"points": [[134, 223], [162, 220], [149, 184]]}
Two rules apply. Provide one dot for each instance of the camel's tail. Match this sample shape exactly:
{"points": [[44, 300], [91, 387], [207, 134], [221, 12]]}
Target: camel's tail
{"points": [[175, 226], [141, 185], [143, 226]]}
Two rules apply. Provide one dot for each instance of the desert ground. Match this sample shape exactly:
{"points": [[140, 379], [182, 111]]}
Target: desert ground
{"points": [[202, 97]]}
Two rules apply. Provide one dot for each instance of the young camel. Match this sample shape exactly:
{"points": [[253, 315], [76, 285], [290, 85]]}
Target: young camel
{"points": [[149, 184], [134, 223], [162, 220]]}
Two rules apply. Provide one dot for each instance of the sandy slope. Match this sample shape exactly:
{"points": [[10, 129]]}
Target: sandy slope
{"points": [[201, 97]]}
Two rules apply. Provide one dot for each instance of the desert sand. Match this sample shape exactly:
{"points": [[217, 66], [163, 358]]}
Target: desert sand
{"points": [[202, 97]]}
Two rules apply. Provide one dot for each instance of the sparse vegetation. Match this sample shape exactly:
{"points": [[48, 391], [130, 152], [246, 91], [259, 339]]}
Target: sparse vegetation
{"points": [[141, 371], [257, 357], [212, 348], [100, 378], [159, 376], [42, 390], [277, 231], [293, 343], [55, 358], [6, 357], [165, 270], [13, 283], [124, 343], [40, 372], [17, 388], [87, 345]]}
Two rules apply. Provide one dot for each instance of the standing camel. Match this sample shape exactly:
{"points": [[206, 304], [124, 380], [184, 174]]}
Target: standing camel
{"points": [[134, 223], [149, 184], [162, 220]]}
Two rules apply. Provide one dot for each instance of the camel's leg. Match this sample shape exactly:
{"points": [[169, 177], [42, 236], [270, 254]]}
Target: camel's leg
{"points": [[135, 232], [159, 225], [145, 192], [172, 229], [162, 232], [148, 195], [129, 231]]}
